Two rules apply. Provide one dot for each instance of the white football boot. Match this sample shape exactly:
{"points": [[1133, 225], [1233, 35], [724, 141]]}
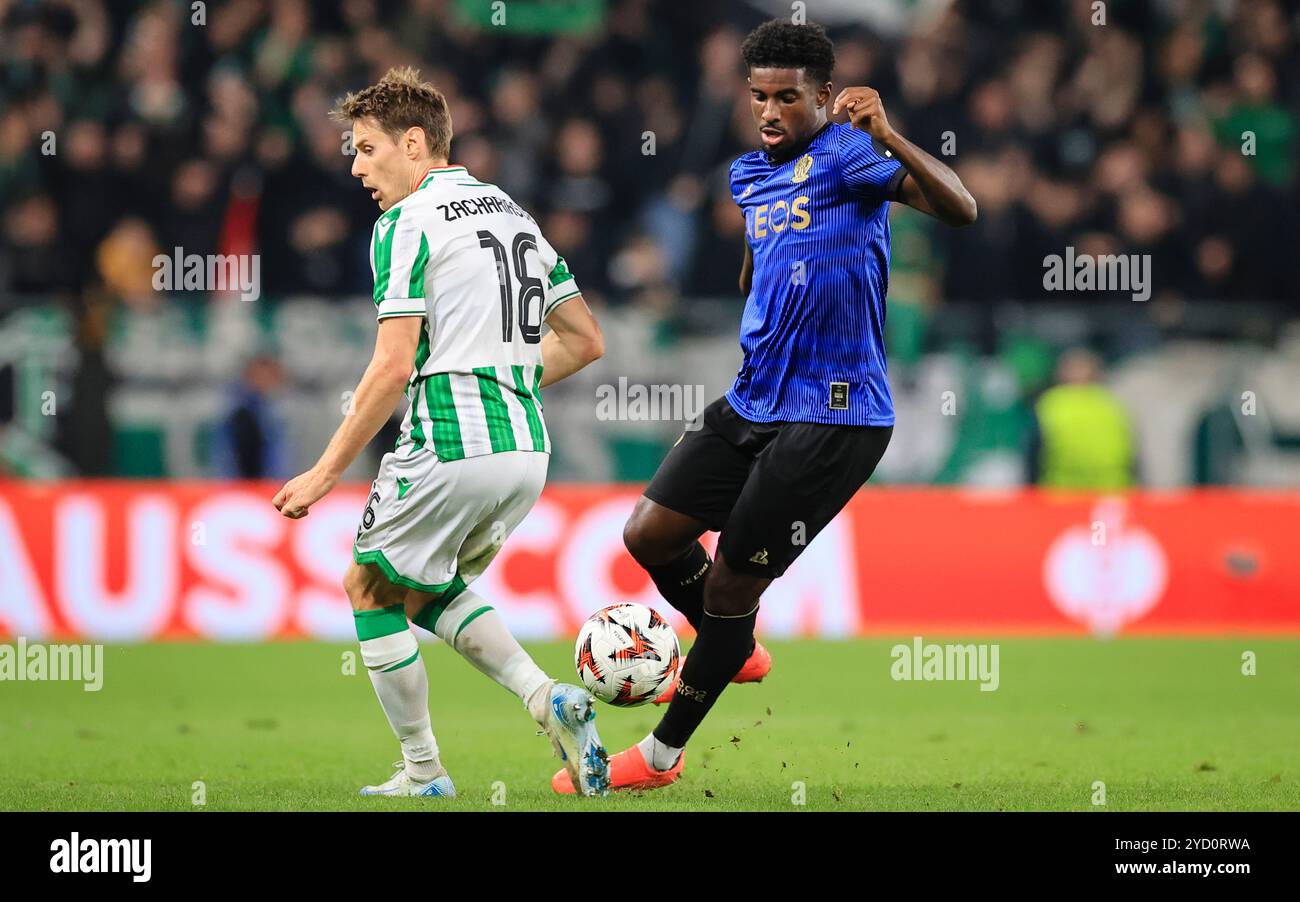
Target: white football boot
{"points": [[402, 785], [566, 713]]}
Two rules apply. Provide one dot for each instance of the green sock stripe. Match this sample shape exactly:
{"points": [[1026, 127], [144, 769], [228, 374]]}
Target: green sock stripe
{"points": [[427, 616], [380, 622], [400, 664], [468, 620]]}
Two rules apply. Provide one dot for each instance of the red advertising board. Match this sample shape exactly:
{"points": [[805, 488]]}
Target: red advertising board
{"points": [[131, 561]]}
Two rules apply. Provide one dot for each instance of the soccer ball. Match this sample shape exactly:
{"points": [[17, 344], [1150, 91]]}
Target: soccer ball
{"points": [[627, 654]]}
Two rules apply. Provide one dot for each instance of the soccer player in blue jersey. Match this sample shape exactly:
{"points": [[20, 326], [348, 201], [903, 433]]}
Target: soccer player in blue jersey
{"points": [[810, 413]]}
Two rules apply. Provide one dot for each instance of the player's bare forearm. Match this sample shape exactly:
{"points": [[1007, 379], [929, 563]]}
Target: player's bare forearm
{"points": [[370, 407], [574, 341], [373, 402], [930, 186], [558, 361], [747, 271]]}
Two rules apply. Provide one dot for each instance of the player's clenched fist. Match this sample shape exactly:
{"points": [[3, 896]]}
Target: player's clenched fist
{"points": [[866, 111], [302, 492]]}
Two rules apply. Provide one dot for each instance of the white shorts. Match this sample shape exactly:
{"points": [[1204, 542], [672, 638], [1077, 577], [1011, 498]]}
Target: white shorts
{"points": [[435, 525]]}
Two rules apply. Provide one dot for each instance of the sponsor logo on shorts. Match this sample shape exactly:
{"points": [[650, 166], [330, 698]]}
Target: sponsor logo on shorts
{"points": [[403, 486], [760, 557]]}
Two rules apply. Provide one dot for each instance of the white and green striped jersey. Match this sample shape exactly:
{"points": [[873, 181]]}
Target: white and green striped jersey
{"points": [[469, 260]]}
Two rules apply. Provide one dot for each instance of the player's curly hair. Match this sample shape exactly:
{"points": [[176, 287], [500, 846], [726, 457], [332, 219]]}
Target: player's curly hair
{"points": [[398, 102], [779, 44]]}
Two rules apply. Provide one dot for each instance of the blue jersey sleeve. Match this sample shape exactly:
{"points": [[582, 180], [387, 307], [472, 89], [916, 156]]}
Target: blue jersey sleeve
{"points": [[865, 171], [731, 178]]}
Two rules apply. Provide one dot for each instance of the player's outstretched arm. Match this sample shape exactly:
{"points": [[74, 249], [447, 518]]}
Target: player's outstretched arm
{"points": [[574, 341], [372, 404], [930, 186]]}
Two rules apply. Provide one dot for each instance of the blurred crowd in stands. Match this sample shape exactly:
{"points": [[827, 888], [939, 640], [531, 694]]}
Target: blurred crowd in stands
{"points": [[133, 127], [1124, 138]]}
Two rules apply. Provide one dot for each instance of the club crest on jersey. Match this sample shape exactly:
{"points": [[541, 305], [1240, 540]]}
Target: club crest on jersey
{"points": [[802, 169]]}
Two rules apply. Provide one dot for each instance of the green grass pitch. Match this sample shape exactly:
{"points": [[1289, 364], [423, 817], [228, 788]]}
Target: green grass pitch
{"points": [[1165, 724]]}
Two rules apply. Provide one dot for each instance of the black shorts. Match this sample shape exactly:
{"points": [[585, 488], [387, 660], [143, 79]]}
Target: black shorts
{"points": [[769, 488]]}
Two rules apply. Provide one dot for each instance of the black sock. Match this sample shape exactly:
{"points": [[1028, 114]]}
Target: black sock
{"points": [[681, 582], [718, 654]]}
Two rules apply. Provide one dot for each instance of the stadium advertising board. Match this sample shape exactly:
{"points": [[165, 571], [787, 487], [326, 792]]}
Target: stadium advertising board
{"points": [[138, 561]]}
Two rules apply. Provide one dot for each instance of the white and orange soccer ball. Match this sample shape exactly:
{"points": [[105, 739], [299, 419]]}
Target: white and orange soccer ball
{"points": [[626, 654]]}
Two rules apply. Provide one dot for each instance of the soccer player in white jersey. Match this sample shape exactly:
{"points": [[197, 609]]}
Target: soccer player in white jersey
{"points": [[463, 281]]}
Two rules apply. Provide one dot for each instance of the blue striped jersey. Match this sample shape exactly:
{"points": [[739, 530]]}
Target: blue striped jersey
{"points": [[813, 328]]}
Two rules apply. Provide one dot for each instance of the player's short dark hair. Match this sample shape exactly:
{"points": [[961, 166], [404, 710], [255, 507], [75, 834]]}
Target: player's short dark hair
{"points": [[779, 44], [400, 101]]}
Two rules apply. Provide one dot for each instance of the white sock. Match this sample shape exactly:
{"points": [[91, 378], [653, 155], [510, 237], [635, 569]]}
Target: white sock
{"points": [[402, 685], [404, 696], [658, 755], [487, 644]]}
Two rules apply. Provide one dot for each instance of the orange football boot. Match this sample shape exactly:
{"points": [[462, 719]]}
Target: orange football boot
{"points": [[757, 666], [627, 770]]}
